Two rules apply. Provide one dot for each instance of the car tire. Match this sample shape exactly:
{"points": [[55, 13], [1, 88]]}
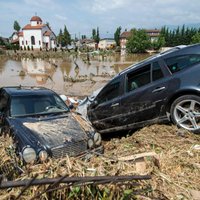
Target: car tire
{"points": [[185, 112]]}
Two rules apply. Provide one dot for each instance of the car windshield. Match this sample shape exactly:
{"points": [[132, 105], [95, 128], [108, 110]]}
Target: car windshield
{"points": [[36, 105]]}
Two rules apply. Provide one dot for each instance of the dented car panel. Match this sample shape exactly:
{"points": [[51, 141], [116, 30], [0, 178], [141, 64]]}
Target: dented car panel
{"points": [[51, 131]]}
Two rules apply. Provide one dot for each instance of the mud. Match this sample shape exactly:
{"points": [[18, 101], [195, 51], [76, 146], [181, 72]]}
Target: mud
{"points": [[175, 172]]}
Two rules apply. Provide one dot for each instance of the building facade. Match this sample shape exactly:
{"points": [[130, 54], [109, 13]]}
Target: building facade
{"points": [[107, 43], [37, 35], [152, 33]]}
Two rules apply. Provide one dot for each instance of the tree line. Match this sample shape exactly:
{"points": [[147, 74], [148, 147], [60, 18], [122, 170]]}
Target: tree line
{"points": [[180, 36], [138, 41]]}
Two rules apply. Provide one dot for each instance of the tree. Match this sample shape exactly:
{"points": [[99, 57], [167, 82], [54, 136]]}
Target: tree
{"points": [[196, 38], [60, 37], [66, 37], [93, 34], [138, 41], [97, 39], [83, 37], [1, 41], [156, 45], [16, 26], [117, 36]]}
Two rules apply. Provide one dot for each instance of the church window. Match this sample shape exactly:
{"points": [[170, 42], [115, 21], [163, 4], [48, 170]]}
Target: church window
{"points": [[32, 40]]}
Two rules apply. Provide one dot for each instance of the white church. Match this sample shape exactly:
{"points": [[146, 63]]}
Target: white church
{"points": [[37, 35]]}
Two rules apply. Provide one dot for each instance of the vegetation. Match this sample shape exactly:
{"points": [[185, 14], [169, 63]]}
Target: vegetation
{"points": [[117, 36], [64, 37], [157, 44], [138, 42], [196, 38], [180, 36], [2, 41], [16, 26], [95, 35]]}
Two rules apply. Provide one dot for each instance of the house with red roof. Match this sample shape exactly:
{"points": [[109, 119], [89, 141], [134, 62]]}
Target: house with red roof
{"points": [[152, 33], [37, 35]]}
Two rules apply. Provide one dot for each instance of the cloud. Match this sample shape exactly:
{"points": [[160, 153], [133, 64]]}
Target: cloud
{"points": [[60, 17], [99, 6], [41, 3]]}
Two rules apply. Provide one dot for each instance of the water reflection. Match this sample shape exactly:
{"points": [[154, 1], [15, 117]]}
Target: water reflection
{"points": [[53, 73], [39, 69]]}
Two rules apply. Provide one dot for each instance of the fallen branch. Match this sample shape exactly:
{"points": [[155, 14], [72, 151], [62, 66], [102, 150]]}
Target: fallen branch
{"points": [[137, 156], [69, 180]]}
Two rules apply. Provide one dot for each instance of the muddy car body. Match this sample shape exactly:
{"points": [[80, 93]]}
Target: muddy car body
{"points": [[42, 126], [164, 87]]}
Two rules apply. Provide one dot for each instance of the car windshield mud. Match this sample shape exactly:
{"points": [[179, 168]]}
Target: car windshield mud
{"points": [[36, 105]]}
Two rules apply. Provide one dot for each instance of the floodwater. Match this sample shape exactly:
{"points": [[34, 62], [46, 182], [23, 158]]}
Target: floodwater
{"points": [[54, 73]]}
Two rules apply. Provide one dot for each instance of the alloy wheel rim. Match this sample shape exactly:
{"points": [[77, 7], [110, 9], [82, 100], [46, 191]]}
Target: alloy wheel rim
{"points": [[187, 114]]}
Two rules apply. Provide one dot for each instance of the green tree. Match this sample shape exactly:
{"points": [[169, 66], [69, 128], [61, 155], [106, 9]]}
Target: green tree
{"points": [[83, 37], [196, 38], [60, 37], [138, 41], [66, 37], [156, 45], [1, 41], [93, 34], [117, 36], [97, 38], [16, 26]]}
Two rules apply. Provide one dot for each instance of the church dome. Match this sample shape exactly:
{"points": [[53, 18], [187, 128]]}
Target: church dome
{"points": [[36, 18]]}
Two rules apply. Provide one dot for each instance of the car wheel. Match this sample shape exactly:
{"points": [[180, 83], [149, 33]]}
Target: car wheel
{"points": [[185, 112]]}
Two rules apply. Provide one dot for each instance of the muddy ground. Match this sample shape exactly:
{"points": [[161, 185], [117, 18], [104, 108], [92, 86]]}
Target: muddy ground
{"points": [[172, 159], [170, 155]]}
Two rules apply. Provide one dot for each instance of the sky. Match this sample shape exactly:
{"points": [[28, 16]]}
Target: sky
{"points": [[81, 16]]}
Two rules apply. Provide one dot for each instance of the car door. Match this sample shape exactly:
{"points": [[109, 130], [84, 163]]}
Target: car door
{"points": [[104, 114], [146, 90]]}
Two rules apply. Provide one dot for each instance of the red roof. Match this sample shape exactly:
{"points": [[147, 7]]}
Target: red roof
{"points": [[125, 34], [152, 31], [29, 27], [15, 41], [20, 34], [47, 33], [36, 18]]}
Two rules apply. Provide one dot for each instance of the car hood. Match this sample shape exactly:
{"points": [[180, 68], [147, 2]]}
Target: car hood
{"points": [[50, 131]]}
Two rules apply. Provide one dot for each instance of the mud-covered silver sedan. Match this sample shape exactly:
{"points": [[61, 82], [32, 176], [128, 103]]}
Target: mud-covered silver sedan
{"points": [[42, 126]]}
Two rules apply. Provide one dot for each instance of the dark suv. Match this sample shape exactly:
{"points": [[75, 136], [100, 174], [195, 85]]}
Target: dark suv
{"points": [[163, 87]]}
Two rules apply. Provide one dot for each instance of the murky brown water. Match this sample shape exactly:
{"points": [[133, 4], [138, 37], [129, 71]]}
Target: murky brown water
{"points": [[54, 73]]}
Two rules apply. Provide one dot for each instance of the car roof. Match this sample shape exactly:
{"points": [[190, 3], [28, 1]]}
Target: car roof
{"points": [[166, 53], [26, 90]]}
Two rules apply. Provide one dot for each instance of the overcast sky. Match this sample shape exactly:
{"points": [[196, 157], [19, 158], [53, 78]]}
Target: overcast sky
{"points": [[81, 16]]}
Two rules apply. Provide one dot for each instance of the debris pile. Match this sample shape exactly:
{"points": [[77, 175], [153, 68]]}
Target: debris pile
{"points": [[170, 155]]}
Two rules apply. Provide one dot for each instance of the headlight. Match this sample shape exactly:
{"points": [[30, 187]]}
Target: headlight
{"points": [[97, 139], [29, 155], [90, 143], [43, 155]]}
